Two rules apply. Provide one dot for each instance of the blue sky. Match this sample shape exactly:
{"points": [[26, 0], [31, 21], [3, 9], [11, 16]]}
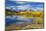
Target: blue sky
{"points": [[17, 5]]}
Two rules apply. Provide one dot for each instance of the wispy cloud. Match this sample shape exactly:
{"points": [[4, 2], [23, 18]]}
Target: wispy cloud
{"points": [[21, 2], [8, 7], [40, 9], [20, 7], [18, 2], [17, 5], [23, 7]]}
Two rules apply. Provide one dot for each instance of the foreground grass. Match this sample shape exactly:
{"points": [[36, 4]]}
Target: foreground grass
{"points": [[32, 26]]}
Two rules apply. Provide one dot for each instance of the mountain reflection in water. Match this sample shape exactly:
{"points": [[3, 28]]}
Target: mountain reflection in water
{"points": [[18, 20]]}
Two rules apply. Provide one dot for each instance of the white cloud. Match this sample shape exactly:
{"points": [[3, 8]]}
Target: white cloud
{"points": [[40, 9], [23, 7], [8, 8], [35, 9], [31, 8], [14, 8], [20, 2], [11, 7]]}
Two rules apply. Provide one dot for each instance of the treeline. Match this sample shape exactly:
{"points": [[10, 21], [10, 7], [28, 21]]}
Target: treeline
{"points": [[10, 12], [26, 13]]}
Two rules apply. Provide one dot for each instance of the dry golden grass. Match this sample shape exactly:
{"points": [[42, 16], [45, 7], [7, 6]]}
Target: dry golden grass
{"points": [[39, 21]]}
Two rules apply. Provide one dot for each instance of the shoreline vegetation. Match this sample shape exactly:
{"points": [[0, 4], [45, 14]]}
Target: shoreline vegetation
{"points": [[38, 19], [25, 13]]}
